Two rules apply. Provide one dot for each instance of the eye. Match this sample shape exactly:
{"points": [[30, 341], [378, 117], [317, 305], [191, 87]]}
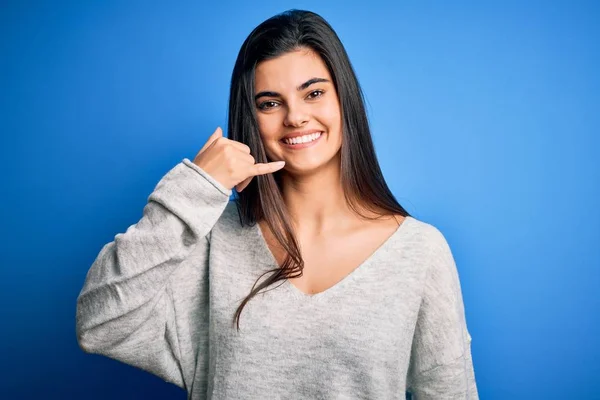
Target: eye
{"points": [[263, 106], [319, 92]]}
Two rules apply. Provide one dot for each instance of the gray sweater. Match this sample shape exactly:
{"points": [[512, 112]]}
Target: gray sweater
{"points": [[162, 295]]}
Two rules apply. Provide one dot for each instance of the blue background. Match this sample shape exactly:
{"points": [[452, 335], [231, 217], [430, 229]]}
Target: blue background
{"points": [[485, 120]]}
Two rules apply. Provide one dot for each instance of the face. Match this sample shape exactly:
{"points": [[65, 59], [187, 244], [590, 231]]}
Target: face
{"points": [[295, 94]]}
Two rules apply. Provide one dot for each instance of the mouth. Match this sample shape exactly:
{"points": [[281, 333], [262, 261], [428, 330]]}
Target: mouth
{"points": [[302, 142]]}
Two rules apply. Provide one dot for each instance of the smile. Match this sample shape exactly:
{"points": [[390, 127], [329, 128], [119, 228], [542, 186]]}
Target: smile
{"points": [[302, 141]]}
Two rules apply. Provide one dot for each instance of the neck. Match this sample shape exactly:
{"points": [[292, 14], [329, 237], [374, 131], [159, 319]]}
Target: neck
{"points": [[316, 200]]}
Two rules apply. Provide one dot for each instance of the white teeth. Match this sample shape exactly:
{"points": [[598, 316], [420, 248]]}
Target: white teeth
{"points": [[303, 139]]}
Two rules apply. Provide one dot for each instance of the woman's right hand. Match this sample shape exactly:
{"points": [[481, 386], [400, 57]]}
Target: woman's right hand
{"points": [[230, 162]]}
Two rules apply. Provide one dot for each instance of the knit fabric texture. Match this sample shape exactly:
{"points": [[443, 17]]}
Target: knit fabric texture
{"points": [[162, 296]]}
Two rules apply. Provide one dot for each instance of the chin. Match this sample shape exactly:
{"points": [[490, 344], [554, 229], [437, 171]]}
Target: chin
{"points": [[298, 166]]}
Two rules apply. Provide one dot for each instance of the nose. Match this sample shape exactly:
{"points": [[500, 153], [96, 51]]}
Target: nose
{"points": [[296, 116]]}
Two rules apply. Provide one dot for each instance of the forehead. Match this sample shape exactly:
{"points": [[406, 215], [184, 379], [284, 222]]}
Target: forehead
{"points": [[289, 70]]}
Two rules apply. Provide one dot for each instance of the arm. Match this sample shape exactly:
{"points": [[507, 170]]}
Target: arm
{"points": [[441, 366], [125, 309]]}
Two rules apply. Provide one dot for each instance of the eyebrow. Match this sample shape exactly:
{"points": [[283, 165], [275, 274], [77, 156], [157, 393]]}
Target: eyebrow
{"points": [[299, 88]]}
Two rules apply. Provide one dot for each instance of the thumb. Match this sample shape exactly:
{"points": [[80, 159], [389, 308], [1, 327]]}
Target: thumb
{"points": [[215, 135]]}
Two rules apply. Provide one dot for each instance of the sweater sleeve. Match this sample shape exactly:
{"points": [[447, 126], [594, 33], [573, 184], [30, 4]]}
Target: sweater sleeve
{"points": [[441, 366], [125, 310]]}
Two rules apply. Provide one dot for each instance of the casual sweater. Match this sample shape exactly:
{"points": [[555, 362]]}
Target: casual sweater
{"points": [[161, 297]]}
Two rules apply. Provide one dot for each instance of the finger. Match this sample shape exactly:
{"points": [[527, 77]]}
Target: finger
{"points": [[266, 168], [238, 145], [215, 135], [242, 185]]}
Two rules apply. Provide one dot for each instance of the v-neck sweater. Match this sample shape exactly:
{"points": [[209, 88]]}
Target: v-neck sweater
{"points": [[162, 296]]}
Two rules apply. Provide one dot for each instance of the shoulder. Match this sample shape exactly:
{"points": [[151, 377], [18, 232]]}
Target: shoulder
{"points": [[229, 218], [231, 210], [429, 233], [441, 270], [434, 237], [421, 232], [229, 224], [425, 243]]}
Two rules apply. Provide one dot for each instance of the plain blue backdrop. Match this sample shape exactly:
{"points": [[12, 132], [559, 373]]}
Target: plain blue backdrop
{"points": [[485, 120]]}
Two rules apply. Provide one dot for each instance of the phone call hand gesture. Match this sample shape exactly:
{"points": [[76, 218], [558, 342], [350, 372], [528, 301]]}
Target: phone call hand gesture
{"points": [[230, 162]]}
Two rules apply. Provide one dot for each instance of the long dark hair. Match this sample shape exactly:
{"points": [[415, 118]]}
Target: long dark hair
{"points": [[362, 181]]}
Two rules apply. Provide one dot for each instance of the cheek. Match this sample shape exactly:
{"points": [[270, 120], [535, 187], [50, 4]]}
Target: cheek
{"points": [[269, 133], [330, 113], [267, 127]]}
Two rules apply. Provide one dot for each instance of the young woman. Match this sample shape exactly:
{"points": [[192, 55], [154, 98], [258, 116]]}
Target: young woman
{"points": [[367, 304]]}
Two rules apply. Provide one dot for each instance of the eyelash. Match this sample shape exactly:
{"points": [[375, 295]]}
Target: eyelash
{"points": [[262, 105]]}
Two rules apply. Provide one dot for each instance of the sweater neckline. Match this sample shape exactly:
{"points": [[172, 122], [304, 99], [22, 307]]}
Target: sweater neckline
{"points": [[296, 293]]}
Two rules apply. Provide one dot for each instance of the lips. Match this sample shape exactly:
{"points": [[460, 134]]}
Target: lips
{"points": [[303, 145], [303, 133]]}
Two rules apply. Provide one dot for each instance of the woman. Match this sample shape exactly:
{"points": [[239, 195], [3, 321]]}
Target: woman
{"points": [[369, 305]]}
